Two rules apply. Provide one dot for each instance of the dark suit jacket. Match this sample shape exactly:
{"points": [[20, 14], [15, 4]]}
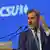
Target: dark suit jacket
{"points": [[27, 40], [48, 43]]}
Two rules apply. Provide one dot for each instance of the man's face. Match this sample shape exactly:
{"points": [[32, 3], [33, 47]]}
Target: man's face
{"points": [[32, 19]]}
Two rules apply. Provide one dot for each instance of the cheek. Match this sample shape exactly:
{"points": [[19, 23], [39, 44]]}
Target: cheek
{"points": [[34, 21]]}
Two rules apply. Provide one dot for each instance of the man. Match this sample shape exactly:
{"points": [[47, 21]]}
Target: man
{"points": [[35, 37]]}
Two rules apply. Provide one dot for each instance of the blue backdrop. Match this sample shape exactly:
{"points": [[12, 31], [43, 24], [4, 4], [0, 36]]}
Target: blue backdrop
{"points": [[10, 21]]}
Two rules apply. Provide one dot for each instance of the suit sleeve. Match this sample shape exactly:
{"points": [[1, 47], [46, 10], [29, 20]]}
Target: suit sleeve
{"points": [[22, 41]]}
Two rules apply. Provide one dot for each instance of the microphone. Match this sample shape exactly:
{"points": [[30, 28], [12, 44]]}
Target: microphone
{"points": [[19, 33], [26, 27], [11, 33]]}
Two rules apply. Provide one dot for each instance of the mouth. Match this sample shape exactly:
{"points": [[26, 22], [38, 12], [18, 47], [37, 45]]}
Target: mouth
{"points": [[30, 23]]}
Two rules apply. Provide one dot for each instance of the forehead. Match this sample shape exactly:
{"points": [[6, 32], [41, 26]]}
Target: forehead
{"points": [[31, 14]]}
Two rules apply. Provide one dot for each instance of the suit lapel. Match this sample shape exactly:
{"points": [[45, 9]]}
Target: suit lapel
{"points": [[43, 37]]}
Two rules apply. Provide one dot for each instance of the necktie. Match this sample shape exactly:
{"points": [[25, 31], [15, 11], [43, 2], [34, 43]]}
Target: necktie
{"points": [[37, 41]]}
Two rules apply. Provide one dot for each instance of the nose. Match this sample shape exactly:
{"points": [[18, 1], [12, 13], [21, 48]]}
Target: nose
{"points": [[29, 21]]}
